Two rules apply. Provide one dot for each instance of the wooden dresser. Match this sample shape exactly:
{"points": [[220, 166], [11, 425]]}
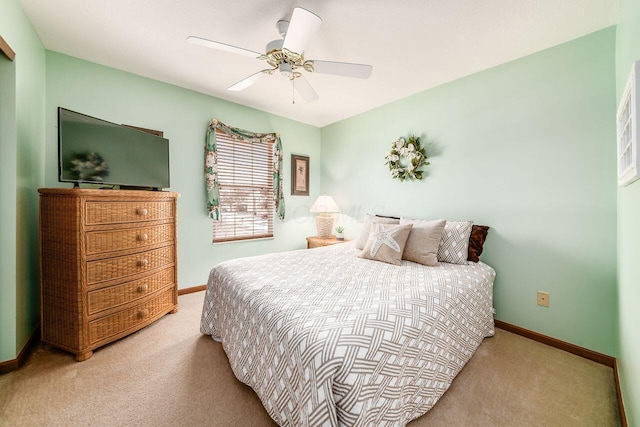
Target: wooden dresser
{"points": [[108, 264]]}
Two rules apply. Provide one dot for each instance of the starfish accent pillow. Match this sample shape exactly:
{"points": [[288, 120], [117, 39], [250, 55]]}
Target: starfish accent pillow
{"points": [[386, 242], [366, 227]]}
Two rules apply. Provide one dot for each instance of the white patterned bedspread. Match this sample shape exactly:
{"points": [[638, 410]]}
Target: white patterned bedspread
{"points": [[327, 338]]}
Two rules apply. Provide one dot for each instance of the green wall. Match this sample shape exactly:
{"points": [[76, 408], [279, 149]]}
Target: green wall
{"points": [[183, 115], [628, 51], [22, 158], [526, 148]]}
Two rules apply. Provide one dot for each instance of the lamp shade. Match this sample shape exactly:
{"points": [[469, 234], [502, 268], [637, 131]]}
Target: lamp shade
{"points": [[324, 204]]}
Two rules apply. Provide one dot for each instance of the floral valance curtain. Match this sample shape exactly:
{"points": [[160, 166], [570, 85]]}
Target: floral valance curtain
{"points": [[211, 165]]}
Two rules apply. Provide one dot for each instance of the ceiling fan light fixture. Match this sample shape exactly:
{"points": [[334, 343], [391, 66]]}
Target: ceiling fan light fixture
{"points": [[285, 69]]}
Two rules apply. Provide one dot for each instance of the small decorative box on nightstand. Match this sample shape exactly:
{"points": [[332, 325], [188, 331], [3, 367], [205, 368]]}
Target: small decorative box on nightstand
{"points": [[316, 242]]}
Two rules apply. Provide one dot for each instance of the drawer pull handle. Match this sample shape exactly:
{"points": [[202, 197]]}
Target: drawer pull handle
{"points": [[143, 237], [143, 288], [143, 262], [143, 313], [142, 211]]}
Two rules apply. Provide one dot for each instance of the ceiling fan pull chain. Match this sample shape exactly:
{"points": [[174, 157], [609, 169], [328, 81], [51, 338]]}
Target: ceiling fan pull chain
{"points": [[293, 92]]}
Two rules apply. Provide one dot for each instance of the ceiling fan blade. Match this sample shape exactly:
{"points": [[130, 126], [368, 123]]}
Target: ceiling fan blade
{"points": [[359, 71], [222, 46], [302, 27], [304, 88], [246, 82]]}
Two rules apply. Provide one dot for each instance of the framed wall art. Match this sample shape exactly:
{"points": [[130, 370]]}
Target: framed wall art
{"points": [[299, 175]]}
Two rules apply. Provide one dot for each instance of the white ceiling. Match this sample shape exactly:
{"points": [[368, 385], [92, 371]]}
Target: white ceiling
{"points": [[413, 45]]}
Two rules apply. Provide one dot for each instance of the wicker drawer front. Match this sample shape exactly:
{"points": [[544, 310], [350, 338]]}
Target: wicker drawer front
{"points": [[117, 212], [130, 318], [114, 296], [107, 241], [114, 268]]}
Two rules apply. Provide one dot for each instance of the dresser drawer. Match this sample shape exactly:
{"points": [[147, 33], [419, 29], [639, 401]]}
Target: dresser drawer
{"points": [[107, 241], [114, 296], [133, 317], [123, 266], [98, 213]]}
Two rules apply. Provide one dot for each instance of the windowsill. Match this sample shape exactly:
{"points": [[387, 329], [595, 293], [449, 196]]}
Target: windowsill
{"points": [[243, 240]]}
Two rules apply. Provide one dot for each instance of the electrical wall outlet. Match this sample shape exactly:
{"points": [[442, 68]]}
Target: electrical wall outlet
{"points": [[543, 298]]}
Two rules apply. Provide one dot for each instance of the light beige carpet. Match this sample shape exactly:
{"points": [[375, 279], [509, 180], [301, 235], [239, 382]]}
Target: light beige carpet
{"points": [[169, 375]]}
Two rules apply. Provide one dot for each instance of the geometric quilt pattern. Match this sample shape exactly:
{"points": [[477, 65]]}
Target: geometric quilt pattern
{"points": [[326, 338], [454, 245]]}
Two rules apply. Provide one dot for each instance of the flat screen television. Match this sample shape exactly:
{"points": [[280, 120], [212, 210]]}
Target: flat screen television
{"points": [[95, 151]]}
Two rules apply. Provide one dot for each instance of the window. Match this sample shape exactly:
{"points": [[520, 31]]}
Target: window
{"points": [[629, 129], [246, 189]]}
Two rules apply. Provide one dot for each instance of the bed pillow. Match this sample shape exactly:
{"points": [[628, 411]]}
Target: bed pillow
{"points": [[476, 242], [424, 240], [366, 227], [454, 245], [386, 242]]}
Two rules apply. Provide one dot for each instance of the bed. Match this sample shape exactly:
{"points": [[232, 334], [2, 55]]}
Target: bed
{"points": [[326, 338]]}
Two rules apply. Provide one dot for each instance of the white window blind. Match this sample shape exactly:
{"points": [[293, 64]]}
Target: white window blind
{"points": [[246, 189]]}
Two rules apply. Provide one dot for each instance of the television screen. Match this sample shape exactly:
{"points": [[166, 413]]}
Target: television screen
{"points": [[95, 151]]}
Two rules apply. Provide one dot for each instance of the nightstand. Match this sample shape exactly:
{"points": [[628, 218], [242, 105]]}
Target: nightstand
{"points": [[316, 242]]}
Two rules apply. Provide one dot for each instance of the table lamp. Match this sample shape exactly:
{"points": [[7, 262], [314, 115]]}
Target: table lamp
{"points": [[324, 206]]}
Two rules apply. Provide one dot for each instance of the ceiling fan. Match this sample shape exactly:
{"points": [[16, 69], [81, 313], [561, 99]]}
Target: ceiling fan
{"points": [[286, 55]]}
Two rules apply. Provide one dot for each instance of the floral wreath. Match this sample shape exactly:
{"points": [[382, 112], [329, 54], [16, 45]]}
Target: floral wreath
{"points": [[405, 158]]}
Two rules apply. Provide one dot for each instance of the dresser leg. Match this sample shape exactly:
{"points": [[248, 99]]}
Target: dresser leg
{"points": [[84, 356], [174, 311]]}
